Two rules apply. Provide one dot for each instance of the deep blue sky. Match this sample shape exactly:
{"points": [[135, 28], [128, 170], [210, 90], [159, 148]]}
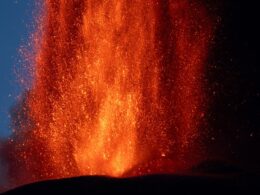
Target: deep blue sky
{"points": [[16, 18]]}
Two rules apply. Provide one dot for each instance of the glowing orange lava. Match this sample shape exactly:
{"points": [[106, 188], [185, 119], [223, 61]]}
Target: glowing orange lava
{"points": [[117, 89]]}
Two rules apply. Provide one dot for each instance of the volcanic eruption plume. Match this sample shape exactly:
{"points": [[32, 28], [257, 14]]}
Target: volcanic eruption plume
{"points": [[117, 90]]}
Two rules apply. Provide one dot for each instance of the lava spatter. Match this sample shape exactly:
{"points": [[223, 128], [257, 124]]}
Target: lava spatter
{"points": [[117, 90]]}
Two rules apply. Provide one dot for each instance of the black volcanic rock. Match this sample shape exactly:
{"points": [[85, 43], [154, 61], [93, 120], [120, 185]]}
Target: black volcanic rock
{"points": [[153, 184], [208, 177]]}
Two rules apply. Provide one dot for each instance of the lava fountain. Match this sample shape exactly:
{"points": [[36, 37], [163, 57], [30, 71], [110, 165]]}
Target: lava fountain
{"points": [[117, 90]]}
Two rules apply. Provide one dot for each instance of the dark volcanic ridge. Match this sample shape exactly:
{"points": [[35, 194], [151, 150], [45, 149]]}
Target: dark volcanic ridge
{"points": [[206, 178]]}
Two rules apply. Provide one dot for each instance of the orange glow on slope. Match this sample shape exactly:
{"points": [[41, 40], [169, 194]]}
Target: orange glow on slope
{"points": [[117, 90]]}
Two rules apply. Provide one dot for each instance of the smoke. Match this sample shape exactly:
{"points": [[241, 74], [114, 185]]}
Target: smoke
{"points": [[10, 148], [3, 167]]}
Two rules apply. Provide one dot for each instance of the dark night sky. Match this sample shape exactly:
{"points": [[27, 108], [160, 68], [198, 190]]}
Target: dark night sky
{"points": [[15, 21], [234, 85]]}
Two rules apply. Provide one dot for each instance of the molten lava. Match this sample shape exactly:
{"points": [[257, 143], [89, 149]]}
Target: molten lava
{"points": [[117, 90]]}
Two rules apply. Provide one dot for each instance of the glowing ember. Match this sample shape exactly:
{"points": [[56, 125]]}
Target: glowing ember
{"points": [[117, 90]]}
